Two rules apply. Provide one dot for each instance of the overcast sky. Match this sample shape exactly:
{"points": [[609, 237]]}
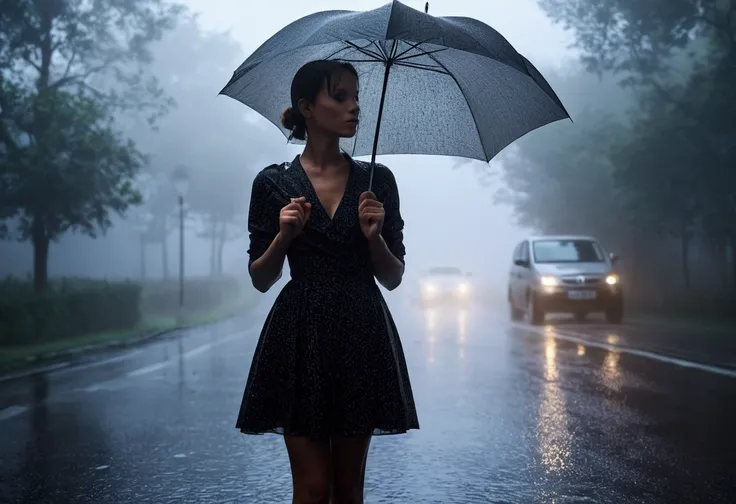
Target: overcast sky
{"points": [[476, 234]]}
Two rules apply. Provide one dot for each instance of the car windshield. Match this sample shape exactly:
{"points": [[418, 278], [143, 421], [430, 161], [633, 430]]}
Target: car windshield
{"points": [[566, 251], [446, 271]]}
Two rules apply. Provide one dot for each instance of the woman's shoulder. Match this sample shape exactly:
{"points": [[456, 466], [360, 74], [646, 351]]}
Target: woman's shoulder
{"points": [[383, 177], [276, 182], [272, 174]]}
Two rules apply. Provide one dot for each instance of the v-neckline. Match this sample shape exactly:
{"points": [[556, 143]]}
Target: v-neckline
{"points": [[317, 199]]}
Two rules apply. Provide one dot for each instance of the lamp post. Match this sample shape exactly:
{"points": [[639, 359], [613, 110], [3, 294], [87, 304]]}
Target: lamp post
{"points": [[142, 226], [180, 180]]}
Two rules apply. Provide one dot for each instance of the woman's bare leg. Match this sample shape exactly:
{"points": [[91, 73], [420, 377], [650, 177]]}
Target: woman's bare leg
{"points": [[310, 469], [349, 456]]}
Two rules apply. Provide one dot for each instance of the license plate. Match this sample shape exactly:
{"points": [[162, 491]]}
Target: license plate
{"points": [[585, 294]]}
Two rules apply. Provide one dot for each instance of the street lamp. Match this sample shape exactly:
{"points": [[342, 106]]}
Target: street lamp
{"points": [[180, 180]]}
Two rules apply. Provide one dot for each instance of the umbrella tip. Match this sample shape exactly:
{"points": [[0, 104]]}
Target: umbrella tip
{"points": [[426, 7]]}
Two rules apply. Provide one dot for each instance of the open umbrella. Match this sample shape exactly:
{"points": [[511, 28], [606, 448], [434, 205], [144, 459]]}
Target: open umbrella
{"points": [[449, 86]]}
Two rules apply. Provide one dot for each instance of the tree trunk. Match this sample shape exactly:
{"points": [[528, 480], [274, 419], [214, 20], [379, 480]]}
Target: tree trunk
{"points": [[165, 256], [685, 257], [221, 246], [40, 256], [143, 256], [213, 247], [732, 249]]}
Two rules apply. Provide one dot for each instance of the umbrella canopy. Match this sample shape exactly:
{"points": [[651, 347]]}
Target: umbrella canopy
{"points": [[449, 86]]}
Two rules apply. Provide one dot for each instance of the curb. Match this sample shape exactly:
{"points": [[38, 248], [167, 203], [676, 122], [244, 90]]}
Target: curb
{"points": [[49, 358]]}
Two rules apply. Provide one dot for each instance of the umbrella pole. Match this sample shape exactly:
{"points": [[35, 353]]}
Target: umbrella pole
{"points": [[378, 122]]}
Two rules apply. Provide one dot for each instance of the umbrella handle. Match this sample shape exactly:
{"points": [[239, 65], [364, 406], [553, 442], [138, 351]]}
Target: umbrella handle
{"points": [[389, 62]]}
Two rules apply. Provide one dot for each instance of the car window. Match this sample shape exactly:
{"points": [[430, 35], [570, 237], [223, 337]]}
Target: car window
{"points": [[524, 255], [567, 251], [517, 253], [445, 271]]}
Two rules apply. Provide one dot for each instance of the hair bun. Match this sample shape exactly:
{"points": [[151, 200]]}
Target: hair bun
{"points": [[288, 120]]}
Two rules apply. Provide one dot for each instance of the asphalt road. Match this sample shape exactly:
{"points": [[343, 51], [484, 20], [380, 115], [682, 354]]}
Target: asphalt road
{"points": [[567, 413]]}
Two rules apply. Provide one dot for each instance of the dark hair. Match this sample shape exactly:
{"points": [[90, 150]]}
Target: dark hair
{"points": [[306, 85]]}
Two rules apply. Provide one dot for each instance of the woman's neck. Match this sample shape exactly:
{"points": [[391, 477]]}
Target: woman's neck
{"points": [[323, 152]]}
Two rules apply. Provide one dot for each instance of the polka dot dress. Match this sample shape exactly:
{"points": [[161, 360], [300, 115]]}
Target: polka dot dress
{"points": [[329, 359]]}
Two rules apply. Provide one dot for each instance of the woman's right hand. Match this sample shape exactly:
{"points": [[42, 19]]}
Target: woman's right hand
{"points": [[293, 217]]}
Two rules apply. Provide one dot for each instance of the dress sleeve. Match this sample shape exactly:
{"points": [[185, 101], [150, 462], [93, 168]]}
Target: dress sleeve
{"points": [[263, 217], [393, 224]]}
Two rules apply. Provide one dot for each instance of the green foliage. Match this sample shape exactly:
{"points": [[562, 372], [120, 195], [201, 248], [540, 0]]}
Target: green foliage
{"points": [[66, 68], [67, 309], [664, 168], [73, 307]]}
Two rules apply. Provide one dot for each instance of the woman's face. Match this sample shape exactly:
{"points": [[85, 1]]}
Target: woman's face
{"points": [[335, 111]]}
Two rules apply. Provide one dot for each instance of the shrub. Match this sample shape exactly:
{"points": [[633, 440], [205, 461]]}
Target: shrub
{"points": [[74, 307], [69, 308]]}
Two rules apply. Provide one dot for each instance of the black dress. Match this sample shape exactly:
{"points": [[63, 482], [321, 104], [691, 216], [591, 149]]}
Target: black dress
{"points": [[329, 359]]}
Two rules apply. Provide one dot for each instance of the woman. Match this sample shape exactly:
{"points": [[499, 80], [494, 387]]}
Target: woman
{"points": [[328, 371]]}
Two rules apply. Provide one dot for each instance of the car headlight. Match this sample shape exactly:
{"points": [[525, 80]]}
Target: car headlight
{"points": [[463, 288], [612, 279], [429, 288], [548, 281]]}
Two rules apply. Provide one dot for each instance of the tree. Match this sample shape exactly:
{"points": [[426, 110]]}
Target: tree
{"points": [[676, 165], [66, 68], [219, 197], [213, 135]]}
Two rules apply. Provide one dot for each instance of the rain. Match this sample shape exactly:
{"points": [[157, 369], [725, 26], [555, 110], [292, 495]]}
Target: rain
{"points": [[566, 310]]}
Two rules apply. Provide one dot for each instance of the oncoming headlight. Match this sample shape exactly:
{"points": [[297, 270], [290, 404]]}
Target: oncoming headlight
{"points": [[463, 288], [429, 288], [548, 281], [612, 279]]}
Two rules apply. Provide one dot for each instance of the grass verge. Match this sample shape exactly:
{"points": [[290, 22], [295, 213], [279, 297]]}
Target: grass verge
{"points": [[13, 359]]}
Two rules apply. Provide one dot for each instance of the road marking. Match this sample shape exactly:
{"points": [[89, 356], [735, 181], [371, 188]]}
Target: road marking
{"points": [[583, 339], [15, 410], [163, 364], [46, 369], [97, 363], [12, 411]]}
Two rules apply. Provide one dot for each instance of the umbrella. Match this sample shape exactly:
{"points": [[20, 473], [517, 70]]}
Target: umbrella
{"points": [[449, 86]]}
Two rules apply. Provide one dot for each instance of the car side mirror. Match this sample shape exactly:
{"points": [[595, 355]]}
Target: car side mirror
{"points": [[613, 257], [522, 262]]}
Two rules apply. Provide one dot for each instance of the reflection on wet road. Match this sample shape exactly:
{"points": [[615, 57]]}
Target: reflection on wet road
{"points": [[508, 414]]}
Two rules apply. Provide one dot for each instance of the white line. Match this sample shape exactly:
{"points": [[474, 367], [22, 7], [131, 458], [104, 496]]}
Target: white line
{"points": [[97, 363], [582, 340], [187, 355], [12, 411]]}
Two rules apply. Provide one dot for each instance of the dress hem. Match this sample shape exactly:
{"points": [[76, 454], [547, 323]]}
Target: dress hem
{"points": [[281, 432]]}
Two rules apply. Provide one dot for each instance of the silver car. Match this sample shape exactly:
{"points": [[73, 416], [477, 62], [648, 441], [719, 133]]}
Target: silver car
{"points": [[564, 274]]}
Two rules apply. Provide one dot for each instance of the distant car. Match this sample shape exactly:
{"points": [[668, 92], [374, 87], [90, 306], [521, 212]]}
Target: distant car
{"points": [[564, 274], [444, 285]]}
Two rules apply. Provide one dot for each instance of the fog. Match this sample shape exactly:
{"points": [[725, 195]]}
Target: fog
{"points": [[562, 178], [451, 214]]}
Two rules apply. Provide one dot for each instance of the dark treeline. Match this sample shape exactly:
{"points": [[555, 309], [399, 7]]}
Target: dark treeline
{"points": [[649, 164]]}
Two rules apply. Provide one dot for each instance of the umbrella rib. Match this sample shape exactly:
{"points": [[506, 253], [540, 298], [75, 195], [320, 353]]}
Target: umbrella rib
{"points": [[421, 66], [424, 53], [365, 51], [411, 46], [361, 60], [465, 97], [380, 49]]}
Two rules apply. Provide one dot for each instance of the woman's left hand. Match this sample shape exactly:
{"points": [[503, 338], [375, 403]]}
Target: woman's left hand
{"points": [[370, 215]]}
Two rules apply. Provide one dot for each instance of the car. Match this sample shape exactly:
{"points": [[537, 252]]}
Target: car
{"points": [[445, 285], [564, 274]]}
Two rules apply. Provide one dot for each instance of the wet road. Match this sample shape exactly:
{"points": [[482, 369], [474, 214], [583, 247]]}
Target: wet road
{"points": [[509, 414]]}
